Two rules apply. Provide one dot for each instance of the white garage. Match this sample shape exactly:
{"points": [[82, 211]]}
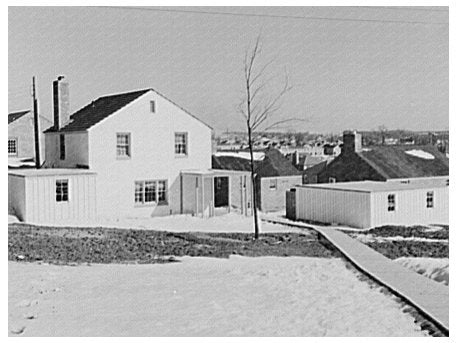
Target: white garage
{"points": [[368, 204], [49, 196]]}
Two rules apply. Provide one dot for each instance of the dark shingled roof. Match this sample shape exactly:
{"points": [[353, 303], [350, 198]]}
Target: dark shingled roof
{"points": [[230, 163], [273, 164], [103, 107], [16, 115], [393, 162], [98, 110]]}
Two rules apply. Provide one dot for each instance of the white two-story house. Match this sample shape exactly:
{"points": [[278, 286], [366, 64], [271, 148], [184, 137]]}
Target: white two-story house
{"points": [[134, 154]]}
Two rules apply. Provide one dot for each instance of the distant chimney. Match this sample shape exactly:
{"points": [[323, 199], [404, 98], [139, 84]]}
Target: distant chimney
{"points": [[352, 142], [61, 94], [297, 158]]}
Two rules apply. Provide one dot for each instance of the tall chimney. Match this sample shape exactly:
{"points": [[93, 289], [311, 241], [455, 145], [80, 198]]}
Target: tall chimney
{"points": [[352, 142], [61, 94]]}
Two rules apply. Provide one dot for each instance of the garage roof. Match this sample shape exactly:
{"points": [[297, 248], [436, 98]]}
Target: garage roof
{"points": [[383, 186]]}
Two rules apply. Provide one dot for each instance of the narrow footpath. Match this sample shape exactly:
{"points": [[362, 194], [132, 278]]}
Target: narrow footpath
{"points": [[430, 297]]}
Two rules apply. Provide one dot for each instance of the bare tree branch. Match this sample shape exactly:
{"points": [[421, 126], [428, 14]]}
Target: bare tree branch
{"points": [[276, 124]]}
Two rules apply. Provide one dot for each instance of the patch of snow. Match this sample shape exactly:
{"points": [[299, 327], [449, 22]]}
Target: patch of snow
{"points": [[12, 219], [371, 238], [433, 228], [258, 156], [239, 296], [434, 268], [420, 154]]}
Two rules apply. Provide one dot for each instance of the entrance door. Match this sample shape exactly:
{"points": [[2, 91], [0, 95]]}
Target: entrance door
{"points": [[221, 191]]}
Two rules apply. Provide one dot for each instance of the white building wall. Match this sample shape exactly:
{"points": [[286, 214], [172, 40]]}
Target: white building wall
{"points": [[16, 196], [152, 155], [23, 130], [42, 207], [333, 206], [410, 207], [275, 199], [76, 150]]}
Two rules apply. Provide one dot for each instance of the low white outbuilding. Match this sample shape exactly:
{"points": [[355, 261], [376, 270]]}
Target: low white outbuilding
{"points": [[48, 196], [367, 204]]}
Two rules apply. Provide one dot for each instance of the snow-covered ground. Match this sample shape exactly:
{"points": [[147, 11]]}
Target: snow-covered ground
{"points": [[434, 268], [240, 296], [231, 222]]}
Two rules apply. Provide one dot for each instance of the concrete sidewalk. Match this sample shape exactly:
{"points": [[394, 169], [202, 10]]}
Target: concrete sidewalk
{"points": [[431, 297]]}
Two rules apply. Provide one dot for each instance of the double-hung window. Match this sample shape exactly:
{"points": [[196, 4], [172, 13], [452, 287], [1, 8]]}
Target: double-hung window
{"points": [[150, 192], [181, 144], [123, 145], [62, 190], [12, 146], [391, 202]]}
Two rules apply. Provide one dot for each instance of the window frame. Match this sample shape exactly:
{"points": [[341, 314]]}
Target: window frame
{"points": [[61, 195], [391, 202], [127, 145], [15, 140], [140, 192], [430, 199], [186, 144], [152, 106]]}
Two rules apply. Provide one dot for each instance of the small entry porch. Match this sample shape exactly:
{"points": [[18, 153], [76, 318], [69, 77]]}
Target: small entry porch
{"points": [[214, 192]]}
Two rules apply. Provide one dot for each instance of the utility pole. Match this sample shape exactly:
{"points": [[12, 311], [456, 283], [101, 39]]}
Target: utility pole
{"points": [[36, 125]]}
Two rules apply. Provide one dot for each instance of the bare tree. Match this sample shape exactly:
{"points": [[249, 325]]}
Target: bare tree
{"points": [[259, 108]]}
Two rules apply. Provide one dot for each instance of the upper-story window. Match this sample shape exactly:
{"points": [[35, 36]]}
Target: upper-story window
{"points": [[123, 145], [391, 202], [62, 147], [152, 105], [62, 190], [430, 203], [12, 146], [181, 144]]}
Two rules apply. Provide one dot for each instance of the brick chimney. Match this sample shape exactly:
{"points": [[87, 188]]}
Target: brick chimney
{"points": [[352, 142], [61, 95]]}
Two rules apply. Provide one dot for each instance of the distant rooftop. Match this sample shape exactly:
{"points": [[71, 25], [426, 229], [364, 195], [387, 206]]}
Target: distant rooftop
{"points": [[383, 186]]}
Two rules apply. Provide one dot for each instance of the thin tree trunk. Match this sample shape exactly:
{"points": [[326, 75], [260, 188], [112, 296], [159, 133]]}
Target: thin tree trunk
{"points": [[254, 189]]}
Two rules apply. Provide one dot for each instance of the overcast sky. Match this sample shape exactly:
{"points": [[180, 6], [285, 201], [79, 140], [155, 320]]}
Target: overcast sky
{"points": [[345, 74]]}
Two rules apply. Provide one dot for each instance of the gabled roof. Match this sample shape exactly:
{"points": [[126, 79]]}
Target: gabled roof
{"points": [[230, 163], [16, 115], [394, 162], [316, 169], [98, 110], [275, 164], [105, 106]]}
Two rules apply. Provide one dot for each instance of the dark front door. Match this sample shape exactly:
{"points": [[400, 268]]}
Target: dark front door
{"points": [[221, 191]]}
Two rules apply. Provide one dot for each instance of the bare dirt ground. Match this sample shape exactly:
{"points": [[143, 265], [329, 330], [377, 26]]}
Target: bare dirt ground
{"points": [[101, 245]]}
